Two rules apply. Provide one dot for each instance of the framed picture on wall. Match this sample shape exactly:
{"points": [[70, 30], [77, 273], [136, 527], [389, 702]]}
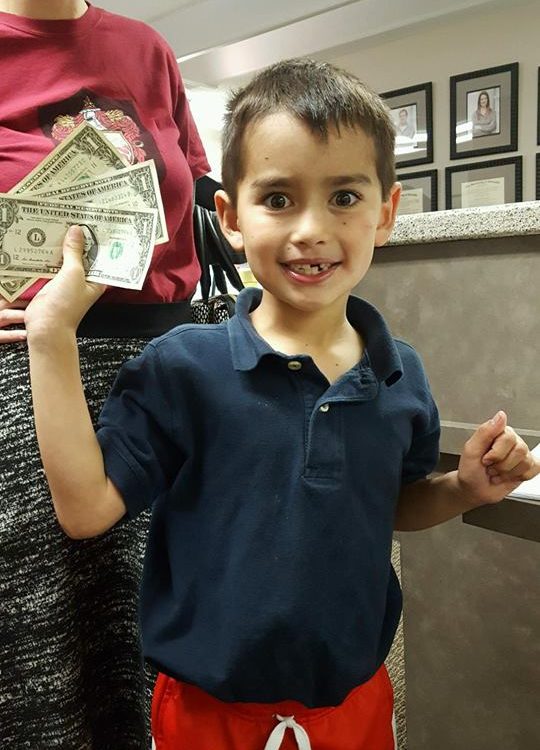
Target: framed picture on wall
{"points": [[419, 192], [538, 112], [484, 112], [484, 183], [412, 112]]}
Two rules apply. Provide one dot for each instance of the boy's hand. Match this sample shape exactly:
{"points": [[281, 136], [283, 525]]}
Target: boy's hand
{"points": [[494, 462], [63, 302]]}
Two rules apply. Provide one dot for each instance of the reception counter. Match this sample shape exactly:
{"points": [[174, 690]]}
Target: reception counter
{"points": [[463, 287]]}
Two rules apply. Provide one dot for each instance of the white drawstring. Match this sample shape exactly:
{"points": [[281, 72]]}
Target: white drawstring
{"points": [[287, 722]]}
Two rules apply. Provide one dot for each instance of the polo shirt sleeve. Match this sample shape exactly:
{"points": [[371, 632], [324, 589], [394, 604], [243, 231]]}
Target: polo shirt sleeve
{"points": [[423, 454], [136, 435]]}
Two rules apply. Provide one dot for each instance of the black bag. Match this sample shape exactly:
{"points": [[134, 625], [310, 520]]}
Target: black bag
{"points": [[216, 260]]}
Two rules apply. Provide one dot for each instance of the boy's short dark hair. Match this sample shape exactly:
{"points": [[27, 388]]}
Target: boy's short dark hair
{"points": [[318, 94]]}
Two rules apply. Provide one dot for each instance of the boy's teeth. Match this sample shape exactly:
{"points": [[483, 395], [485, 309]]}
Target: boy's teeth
{"points": [[310, 269]]}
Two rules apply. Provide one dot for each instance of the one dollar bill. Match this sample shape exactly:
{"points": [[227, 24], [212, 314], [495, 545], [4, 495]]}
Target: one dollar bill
{"points": [[132, 188], [12, 287], [83, 155], [118, 242]]}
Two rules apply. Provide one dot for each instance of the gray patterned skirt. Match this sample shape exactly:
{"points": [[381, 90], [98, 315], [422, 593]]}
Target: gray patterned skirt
{"points": [[71, 670]]}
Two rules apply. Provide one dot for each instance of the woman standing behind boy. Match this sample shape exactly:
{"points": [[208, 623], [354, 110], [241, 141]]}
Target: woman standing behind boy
{"points": [[71, 671]]}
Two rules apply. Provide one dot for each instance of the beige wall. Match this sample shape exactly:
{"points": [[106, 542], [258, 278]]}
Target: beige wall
{"points": [[436, 52]]}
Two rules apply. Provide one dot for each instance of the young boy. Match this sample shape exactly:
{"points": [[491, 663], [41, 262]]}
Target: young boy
{"points": [[279, 450]]}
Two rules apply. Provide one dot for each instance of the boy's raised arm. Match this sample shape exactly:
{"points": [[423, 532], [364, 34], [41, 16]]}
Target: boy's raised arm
{"points": [[494, 462], [85, 500]]}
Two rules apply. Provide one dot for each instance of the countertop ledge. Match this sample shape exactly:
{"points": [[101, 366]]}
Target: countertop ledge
{"points": [[508, 220]]}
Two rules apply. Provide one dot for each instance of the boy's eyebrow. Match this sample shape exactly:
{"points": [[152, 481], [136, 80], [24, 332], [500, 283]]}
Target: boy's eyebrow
{"points": [[273, 183], [346, 179]]}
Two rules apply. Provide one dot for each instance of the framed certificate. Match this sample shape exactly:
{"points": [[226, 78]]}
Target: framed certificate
{"points": [[419, 192], [486, 183]]}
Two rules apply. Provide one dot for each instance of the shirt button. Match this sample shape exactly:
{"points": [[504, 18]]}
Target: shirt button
{"points": [[294, 365], [324, 407]]}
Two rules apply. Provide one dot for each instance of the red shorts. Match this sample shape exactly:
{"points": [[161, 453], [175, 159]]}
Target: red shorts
{"points": [[186, 718]]}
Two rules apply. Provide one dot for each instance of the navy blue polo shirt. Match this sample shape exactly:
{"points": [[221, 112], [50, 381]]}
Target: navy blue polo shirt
{"points": [[267, 574]]}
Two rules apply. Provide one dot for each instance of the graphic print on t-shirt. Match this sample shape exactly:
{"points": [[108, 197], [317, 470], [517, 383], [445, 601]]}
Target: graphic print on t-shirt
{"points": [[117, 120]]}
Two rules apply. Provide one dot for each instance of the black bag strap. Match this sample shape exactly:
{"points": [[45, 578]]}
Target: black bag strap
{"points": [[215, 254]]}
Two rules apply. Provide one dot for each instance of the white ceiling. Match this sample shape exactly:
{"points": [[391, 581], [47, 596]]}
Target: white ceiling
{"points": [[220, 40], [145, 10]]}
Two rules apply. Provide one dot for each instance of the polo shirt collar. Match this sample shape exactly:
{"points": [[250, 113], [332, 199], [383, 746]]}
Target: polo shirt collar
{"points": [[248, 348]]}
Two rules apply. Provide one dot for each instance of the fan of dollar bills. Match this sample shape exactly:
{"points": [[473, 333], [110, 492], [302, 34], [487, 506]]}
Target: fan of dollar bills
{"points": [[83, 181]]}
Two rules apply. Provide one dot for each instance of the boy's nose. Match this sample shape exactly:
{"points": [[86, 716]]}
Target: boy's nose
{"points": [[311, 228]]}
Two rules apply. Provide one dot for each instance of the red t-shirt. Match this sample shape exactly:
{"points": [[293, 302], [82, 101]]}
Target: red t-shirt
{"points": [[122, 77]]}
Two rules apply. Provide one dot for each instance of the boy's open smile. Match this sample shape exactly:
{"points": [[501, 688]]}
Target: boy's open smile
{"points": [[308, 271]]}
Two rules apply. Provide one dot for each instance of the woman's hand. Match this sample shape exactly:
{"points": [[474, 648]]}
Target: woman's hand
{"points": [[12, 313], [63, 302]]}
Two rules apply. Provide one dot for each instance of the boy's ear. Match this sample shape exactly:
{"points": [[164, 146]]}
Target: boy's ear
{"points": [[228, 220], [388, 215]]}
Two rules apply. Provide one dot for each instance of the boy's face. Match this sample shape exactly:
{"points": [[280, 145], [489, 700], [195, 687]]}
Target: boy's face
{"points": [[309, 212]]}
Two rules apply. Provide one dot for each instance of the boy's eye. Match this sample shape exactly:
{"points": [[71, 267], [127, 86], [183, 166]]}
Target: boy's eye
{"points": [[277, 200], [345, 198]]}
